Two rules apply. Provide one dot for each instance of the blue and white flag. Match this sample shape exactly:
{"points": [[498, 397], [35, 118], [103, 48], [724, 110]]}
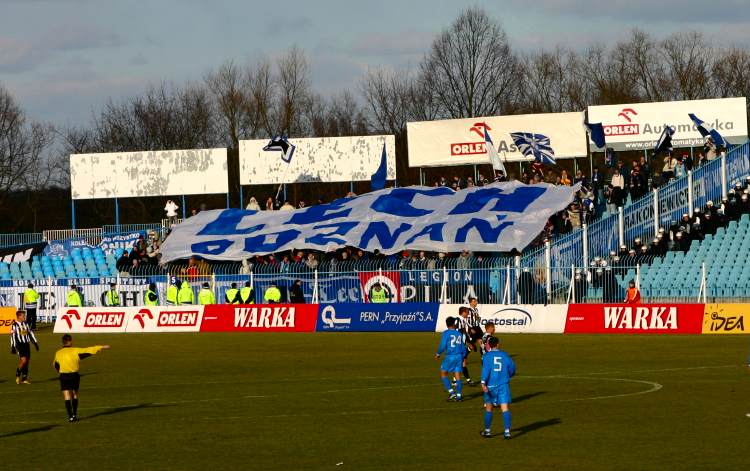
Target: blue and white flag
{"points": [[536, 146], [707, 130], [664, 144], [494, 218], [377, 182], [596, 131], [497, 164], [281, 143]]}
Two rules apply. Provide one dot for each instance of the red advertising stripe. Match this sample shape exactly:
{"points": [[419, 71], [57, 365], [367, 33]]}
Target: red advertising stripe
{"points": [[259, 318], [634, 319]]}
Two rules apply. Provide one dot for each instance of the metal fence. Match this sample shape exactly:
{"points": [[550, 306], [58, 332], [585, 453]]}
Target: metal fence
{"points": [[10, 240]]}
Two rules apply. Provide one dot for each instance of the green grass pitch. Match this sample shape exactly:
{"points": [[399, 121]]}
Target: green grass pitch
{"points": [[374, 401]]}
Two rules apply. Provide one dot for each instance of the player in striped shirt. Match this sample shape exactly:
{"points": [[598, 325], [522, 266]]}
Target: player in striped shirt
{"points": [[21, 338], [469, 326]]}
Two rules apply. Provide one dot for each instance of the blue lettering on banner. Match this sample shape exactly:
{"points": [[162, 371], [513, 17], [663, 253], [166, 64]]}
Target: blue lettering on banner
{"points": [[373, 317]]}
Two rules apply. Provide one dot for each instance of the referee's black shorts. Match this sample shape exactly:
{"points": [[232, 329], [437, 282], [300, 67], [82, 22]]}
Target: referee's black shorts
{"points": [[475, 333], [24, 350], [69, 381]]}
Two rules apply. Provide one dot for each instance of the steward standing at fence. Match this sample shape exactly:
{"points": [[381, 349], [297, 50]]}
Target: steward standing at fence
{"points": [[273, 294], [30, 302], [232, 295], [73, 298], [378, 294], [151, 298], [206, 295], [173, 291], [247, 294], [112, 297], [186, 296]]}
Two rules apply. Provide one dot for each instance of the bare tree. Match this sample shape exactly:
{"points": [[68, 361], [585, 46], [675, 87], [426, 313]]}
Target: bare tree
{"points": [[230, 91], [293, 91], [689, 64], [731, 75], [547, 82], [471, 68]]}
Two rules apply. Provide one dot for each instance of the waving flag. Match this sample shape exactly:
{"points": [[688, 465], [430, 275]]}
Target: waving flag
{"points": [[497, 164], [281, 143], [535, 145], [707, 130], [596, 131], [377, 182], [664, 143]]}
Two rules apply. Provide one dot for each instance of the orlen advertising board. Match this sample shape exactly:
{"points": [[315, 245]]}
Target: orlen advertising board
{"points": [[129, 319], [259, 318], [637, 126], [634, 319], [374, 317], [529, 318], [461, 141]]}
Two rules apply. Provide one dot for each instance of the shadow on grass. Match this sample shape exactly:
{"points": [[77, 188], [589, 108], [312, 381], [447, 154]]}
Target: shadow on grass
{"points": [[534, 426], [526, 397], [28, 430], [119, 410]]}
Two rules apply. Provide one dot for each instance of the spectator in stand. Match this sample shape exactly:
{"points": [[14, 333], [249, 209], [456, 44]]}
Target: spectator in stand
{"points": [[301, 204], [610, 196], [710, 149], [269, 204], [457, 183], [633, 294], [563, 225], [312, 262], [537, 168], [558, 181], [551, 177], [296, 296], [252, 205], [580, 178], [124, 263], [500, 176], [644, 169], [442, 182], [679, 168], [687, 161], [287, 206], [667, 171], [638, 185], [134, 257], [565, 179], [574, 213], [625, 172], [464, 261], [702, 160], [171, 209]]}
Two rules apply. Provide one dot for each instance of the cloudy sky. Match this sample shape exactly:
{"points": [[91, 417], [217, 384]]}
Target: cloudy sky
{"points": [[64, 58]]}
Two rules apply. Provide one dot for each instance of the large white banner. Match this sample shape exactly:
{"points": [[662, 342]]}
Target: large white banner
{"points": [[497, 218], [152, 173], [323, 159], [638, 126], [461, 141], [520, 318]]}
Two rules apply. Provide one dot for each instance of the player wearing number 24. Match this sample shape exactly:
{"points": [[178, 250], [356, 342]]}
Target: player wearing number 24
{"points": [[497, 369]]}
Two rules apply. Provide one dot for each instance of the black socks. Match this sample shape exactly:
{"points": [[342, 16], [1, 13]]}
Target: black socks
{"points": [[75, 406], [466, 373], [69, 407]]}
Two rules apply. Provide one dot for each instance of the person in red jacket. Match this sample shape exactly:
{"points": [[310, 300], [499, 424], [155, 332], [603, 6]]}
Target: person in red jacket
{"points": [[633, 295]]}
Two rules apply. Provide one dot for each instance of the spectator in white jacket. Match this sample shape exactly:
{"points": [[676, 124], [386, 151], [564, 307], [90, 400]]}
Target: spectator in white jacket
{"points": [[253, 205], [171, 210]]}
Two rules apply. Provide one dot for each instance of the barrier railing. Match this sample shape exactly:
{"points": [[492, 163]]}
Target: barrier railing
{"points": [[112, 229], [93, 235], [10, 240]]}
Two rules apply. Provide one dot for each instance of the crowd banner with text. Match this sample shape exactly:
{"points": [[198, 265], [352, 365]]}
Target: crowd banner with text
{"points": [[7, 316], [522, 318], [638, 126], [462, 141], [496, 217], [726, 319], [634, 319], [21, 253], [259, 318], [374, 317]]}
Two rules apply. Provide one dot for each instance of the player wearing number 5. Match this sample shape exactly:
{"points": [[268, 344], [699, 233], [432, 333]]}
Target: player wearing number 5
{"points": [[453, 345], [497, 369]]}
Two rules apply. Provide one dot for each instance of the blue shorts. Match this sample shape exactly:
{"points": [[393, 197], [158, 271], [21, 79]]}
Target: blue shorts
{"points": [[497, 395], [452, 363]]}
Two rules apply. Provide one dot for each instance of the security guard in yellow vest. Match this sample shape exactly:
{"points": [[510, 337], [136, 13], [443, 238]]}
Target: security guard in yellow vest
{"points": [[73, 299], [151, 298], [206, 295], [272, 295], [378, 295], [30, 303], [247, 294], [112, 297], [232, 295], [172, 291], [186, 296]]}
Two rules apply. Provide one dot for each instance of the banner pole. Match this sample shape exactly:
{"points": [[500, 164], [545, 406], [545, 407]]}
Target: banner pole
{"points": [[73, 214], [117, 215], [183, 208], [242, 199]]}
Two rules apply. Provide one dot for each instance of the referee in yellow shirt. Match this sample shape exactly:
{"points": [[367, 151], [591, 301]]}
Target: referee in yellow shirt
{"points": [[67, 363]]}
